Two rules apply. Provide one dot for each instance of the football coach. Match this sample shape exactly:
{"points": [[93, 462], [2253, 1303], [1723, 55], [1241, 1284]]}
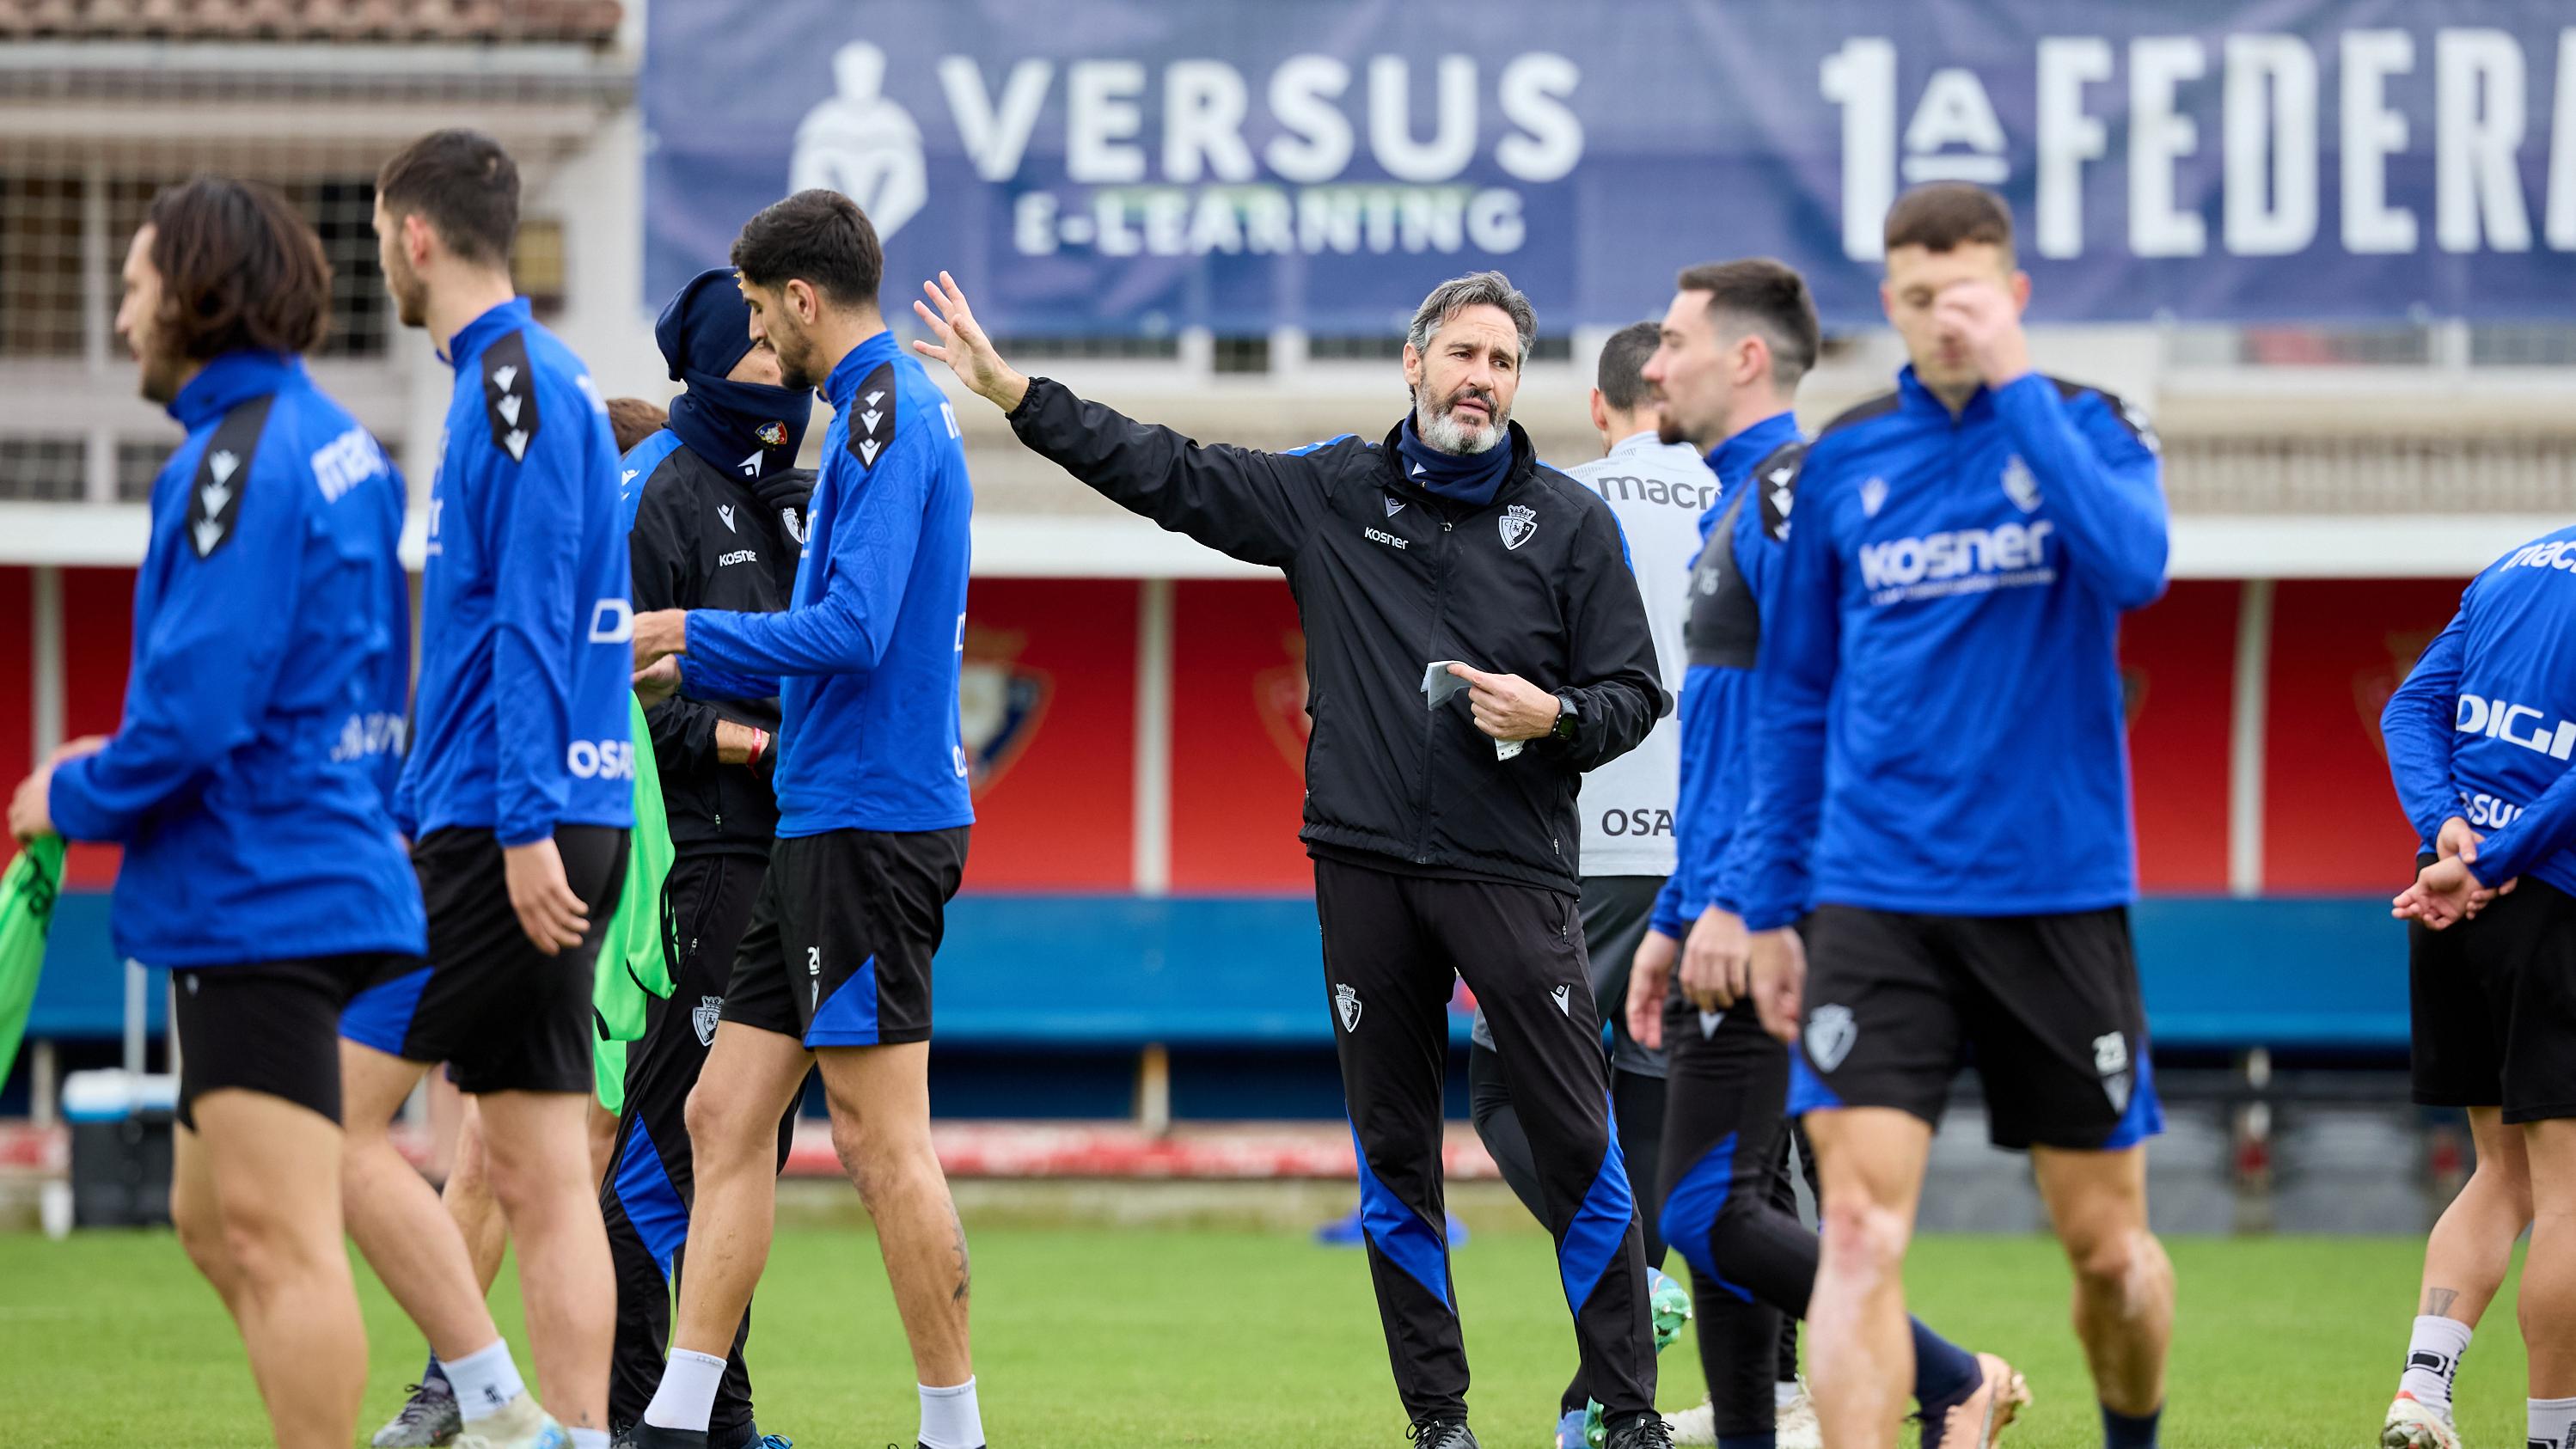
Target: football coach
{"points": [[1440, 803]]}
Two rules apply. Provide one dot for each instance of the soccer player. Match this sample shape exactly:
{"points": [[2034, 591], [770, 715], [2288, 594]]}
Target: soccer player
{"points": [[1940, 773], [1656, 490], [719, 524], [1444, 847], [2478, 743], [873, 810], [247, 779], [1735, 342], [517, 797]]}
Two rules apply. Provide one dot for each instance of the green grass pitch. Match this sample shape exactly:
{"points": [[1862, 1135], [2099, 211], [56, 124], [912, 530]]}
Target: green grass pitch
{"points": [[1130, 1337]]}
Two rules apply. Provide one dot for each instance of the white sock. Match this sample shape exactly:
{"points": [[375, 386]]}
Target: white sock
{"points": [[588, 1438], [687, 1397], [950, 1419], [1785, 1393], [2553, 1423], [2433, 1361], [486, 1380]]}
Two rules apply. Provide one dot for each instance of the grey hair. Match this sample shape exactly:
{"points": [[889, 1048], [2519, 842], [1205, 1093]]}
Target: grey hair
{"points": [[1476, 289]]}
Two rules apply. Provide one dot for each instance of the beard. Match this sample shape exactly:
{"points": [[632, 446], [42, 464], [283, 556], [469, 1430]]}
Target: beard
{"points": [[1442, 428], [1668, 429], [795, 356], [160, 377], [410, 294]]}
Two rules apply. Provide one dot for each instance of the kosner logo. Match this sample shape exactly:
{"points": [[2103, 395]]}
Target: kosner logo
{"points": [[2517, 724], [1199, 187]]}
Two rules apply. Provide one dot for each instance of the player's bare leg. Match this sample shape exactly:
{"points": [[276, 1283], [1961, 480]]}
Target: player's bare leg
{"points": [[2124, 1285], [255, 1196], [469, 1201], [536, 1147], [396, 1219], [750, 1078], [2465, 1260], [1860, 1350], [2548, 1299], [880, 1101]]}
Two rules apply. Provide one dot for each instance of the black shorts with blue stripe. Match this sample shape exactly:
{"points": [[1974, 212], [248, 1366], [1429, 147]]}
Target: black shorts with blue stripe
{"points": [[504, 1016], [2046, 1008], [842, 936]]}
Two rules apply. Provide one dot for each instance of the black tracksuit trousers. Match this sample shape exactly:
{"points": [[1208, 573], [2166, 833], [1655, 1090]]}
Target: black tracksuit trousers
{"points": [[707, 905], [1392, 946], [1727, 1204]]}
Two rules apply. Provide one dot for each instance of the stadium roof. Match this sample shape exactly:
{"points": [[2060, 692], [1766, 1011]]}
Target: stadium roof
{"points": [[582, 22]]}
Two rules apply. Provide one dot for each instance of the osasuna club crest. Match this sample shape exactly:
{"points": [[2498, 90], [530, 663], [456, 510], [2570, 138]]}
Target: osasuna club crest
{"points": [[1518, 522], [1830, 1033], [1347, 1002], [703, 1016]]}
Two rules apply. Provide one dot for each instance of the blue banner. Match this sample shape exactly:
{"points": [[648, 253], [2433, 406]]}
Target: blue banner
{"points": [[1133, 166]]}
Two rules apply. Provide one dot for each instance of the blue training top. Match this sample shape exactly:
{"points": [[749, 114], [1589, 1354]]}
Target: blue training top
{"points": [[264, 705], [864, 659], [1941, 726], [1717, 699], [2486, 724], [526, 659]]}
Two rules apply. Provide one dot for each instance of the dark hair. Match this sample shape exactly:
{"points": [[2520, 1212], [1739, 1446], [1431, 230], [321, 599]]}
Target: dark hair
{"points": [[464, 185], [1768, 296], [239, 268], [1623, 365], [1941, 215], [633, 420], [818, 237]]}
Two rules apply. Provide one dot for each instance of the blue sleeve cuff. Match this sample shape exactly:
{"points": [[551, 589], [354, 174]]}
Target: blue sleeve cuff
{"points": [[69, 800], [512, 835]]}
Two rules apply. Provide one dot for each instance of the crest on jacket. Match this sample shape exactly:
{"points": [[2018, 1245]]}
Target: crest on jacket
{"points": [[771, 434], [1518, 522], [999, 703], [703, 1017]]}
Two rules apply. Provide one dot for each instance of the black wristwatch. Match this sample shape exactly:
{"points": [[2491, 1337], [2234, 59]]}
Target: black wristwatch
{"points": [[1563, 729]]}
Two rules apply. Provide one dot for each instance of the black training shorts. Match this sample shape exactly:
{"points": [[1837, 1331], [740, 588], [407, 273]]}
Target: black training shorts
{"points": [[2046, 1007], [842, 935], [271, 1027], [2495, 1006], [503, 1015]]}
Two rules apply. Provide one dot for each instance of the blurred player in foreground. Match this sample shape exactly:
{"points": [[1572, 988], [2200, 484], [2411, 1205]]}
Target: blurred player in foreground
{"points": [[1941, 774], [1734, 345], [263, 726], [518, 796], [2479, 738], [1443, 848], [834, 970], [1656, 490]]}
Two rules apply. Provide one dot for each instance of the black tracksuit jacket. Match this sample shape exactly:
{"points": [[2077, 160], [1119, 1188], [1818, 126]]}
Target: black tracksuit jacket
{"points": [[707, 539], [1387, 579]]}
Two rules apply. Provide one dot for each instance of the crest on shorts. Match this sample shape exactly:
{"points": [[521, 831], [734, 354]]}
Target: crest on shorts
{"points": [[1347, 1002], [703, 1016], [1517, 523], [2111, 1060], [1830, 1034]]}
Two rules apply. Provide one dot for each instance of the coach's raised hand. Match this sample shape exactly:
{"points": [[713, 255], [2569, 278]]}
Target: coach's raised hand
{"points": [[964, 347]]}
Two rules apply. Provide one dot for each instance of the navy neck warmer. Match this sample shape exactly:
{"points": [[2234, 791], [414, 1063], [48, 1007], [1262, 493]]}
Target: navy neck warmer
{"points": [[1470, 478], [745, 428]]}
